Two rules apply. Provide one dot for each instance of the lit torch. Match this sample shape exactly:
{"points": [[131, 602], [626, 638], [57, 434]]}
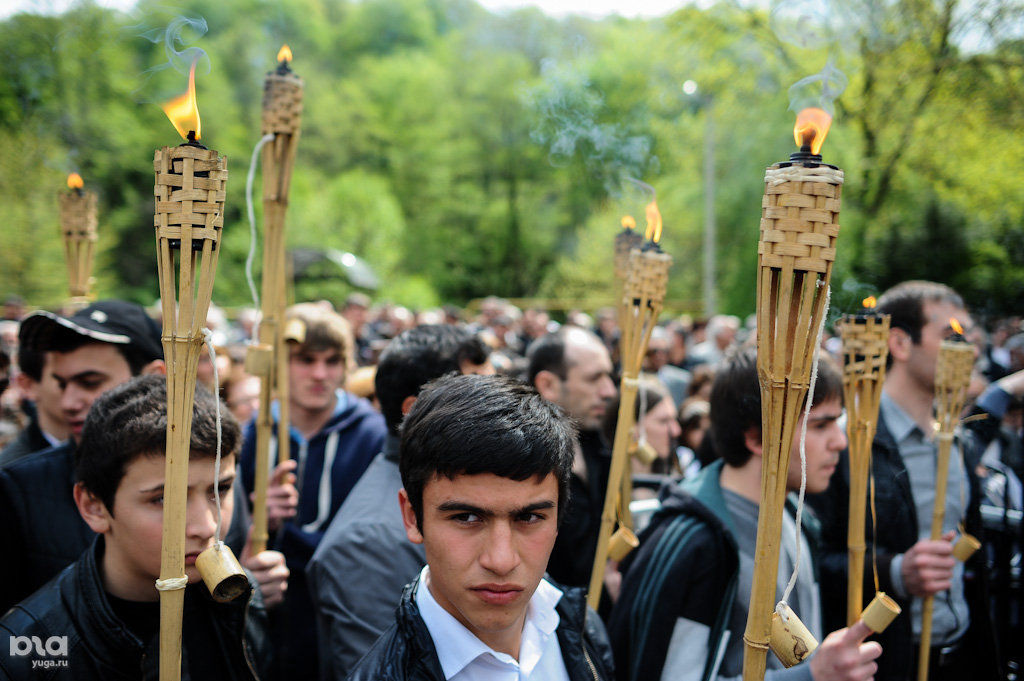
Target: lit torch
{"points": [[189, 217], [282, 115], [799, 226], [646, 281], [865, 350], [78, 230], [952, 376]]}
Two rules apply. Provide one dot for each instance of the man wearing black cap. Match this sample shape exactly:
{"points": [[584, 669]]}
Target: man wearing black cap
{"points": [[90, 352]]}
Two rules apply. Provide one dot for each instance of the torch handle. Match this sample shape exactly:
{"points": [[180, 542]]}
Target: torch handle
{"points": [[938, 516], [860, 461]]}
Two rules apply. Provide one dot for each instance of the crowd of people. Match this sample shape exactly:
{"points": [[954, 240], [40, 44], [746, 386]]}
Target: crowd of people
{"points": [[439, 513]]}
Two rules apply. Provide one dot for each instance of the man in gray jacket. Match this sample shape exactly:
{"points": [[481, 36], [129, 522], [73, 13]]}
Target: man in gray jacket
{"points": [[358, 571]]}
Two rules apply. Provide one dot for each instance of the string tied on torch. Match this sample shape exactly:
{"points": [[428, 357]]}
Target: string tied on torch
{"points": [[250, 256], [208, 341], [803, 446], [172, 584]]}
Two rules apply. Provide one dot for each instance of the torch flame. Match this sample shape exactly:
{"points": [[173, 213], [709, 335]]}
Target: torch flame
{"points": [[653, 222], [869, 303], [628, 222], [956, 325], [183, 110], [284, 54], [75, 181], [811, 127]]}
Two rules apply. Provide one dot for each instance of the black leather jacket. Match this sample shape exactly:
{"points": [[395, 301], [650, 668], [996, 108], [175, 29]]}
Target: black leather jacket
{"points": [[227, 640], [405, 652]]}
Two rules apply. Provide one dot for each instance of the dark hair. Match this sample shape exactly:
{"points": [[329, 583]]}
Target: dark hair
{"points": [[905, 303], [68, 340], [547, 353], [418, 356], [736, 402], [468, 425], [130, 421], [30, 362]]}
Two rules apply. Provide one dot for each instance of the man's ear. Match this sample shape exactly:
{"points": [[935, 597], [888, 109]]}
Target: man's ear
{"points": [[900, 345], [93, 511], [752, 440], [156, 368], [407, 404], [412, 530], [548, 384]]}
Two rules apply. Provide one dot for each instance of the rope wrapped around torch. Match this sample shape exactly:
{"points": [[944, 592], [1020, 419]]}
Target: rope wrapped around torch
{"points": [[865, 350], [189, 217], [952, 376], [799, 227], [644, 293], [282, 115]]}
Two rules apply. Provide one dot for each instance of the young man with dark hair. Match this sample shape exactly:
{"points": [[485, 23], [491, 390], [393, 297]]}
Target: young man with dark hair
{"points": [[685, 593], [47, 426], [572, 368], [358, 571], [910, 564], [333, 436], [104, 608], [485, 466]]}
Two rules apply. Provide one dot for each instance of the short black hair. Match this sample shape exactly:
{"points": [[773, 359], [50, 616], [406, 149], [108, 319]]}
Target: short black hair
{"points": [[130, 421], [68, 340], [468, 425], [905, 301], [736, 402], [30, 362], [418, 356], [547, 353]]}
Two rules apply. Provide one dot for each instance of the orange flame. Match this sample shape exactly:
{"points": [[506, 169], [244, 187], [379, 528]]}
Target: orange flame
{"points": [[869, 302], [653, 222], [811, 127], [183, 110], [628, 222], [75, 181], [956, 325], [284, 54]]}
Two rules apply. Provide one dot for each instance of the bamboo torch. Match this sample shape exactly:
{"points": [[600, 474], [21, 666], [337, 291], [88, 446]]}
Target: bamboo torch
{"points": [[799, 226], [625, 241], [952, 376], [865, 350], [189, 216], [282, 114], [78, 229], [644, 292]]}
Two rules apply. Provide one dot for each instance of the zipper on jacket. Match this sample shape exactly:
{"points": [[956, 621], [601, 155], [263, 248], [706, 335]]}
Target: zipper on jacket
{"points": [[590, 663]]}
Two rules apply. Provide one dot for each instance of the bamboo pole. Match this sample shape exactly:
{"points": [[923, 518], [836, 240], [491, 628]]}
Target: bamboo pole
{"points": [[78, 230], [645, 288], [865, 350], [189, 216], [625, 241], [952, 376], [799, 226], [282, 114]]}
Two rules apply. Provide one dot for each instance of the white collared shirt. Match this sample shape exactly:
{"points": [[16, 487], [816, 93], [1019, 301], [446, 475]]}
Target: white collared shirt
{"points": [[464, 657]]}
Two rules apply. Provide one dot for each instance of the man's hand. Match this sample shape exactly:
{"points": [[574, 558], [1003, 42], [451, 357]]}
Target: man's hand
{"points": [[843, 656], [282, 496], [270, 572], [927, 567]]}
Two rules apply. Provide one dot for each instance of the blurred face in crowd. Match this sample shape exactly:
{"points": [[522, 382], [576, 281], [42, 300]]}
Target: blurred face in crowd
{"points": [[81, 376], [487, 540], [661, 427], [825, 439], [587, 388], [921, 358], [313, 378], [133, 528], [243, 398]]}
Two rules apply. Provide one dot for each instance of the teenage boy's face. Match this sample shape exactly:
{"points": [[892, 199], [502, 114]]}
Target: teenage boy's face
{"points": [[84, 374], [134, 529], [825, 439], [487, 541], [313, 378]]}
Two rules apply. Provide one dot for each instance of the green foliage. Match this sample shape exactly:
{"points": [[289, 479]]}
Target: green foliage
{"points": [[463, 153]]}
